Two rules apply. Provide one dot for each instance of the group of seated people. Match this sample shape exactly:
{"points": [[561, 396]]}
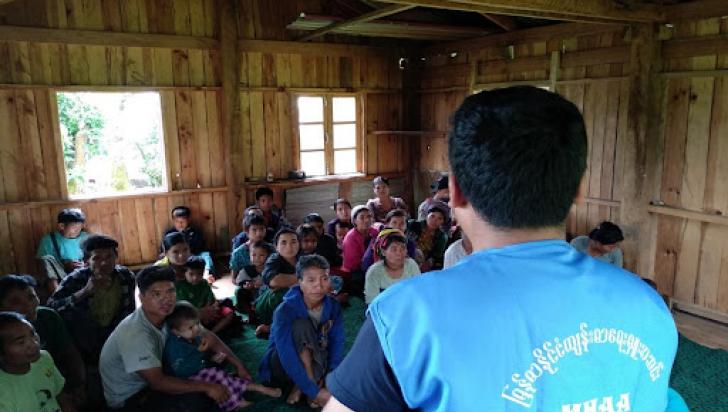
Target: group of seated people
{"points": [[91, 347]]}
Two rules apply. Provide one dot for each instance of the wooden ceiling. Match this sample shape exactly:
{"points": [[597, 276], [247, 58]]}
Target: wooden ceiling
{"points": [[447, 20]]}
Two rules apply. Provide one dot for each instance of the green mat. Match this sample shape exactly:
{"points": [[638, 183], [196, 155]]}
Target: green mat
{"points": [[700, 374]]}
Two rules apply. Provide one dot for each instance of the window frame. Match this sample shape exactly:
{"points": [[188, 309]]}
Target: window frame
{"points": [[168, 182], [328, 125]]}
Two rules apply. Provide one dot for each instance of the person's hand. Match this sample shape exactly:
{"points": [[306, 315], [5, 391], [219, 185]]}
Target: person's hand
{"points": [[244, 374], [209, 314], [322, 397], [71, 265], [218, 393]]}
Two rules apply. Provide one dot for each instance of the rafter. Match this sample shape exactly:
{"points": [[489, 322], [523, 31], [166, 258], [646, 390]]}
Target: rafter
{"points": [[372, 15], [506, 23], [591, 11]]}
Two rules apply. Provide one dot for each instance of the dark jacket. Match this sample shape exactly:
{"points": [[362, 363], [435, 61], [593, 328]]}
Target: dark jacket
{"points": [[281, 339]]}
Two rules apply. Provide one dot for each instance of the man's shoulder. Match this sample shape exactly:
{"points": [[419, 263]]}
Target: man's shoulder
{"points": [[46, 314]]}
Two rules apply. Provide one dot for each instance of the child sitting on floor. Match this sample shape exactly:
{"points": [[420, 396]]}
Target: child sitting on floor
{"points": [[309, 239], [255, 230], [341, 229], [196, 242], [279, 274], [186, 356], [199, 293], [342, 207], [326, 245], [250, 279], [28, 376]]}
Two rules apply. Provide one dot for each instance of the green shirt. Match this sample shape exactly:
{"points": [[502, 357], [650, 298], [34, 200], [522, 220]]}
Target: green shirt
{"points": [[34, 391], [105, 303], [198, 295], [52, 331]]}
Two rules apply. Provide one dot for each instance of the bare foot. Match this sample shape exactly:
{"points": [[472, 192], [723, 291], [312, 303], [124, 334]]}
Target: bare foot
{"points": [[314, 405], [243, 404], [294, 397], [265, 390]]}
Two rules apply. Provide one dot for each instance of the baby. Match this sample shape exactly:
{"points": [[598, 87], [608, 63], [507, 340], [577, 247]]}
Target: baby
{"points": [[187, 355]]}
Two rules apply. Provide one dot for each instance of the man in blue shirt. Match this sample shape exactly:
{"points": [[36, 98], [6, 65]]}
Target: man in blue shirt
{"points": [[525, 323]]}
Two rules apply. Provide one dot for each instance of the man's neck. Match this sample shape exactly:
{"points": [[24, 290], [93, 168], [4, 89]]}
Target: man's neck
{"points": [[484, 236], [157, 321]]}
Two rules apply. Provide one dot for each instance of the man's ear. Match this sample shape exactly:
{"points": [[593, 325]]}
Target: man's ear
{"points": [[580, 196], [457, 198]]}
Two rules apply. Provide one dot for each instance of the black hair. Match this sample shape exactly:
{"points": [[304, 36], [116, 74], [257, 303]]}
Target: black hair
{"points": [[195, 263], [341, 200], [440, 184], [313, 217], [262, 244], [283, 232], [71, 215], [607, 233], [183, 311], [152, 274], [347, 225], [263, 191], [181, 211], [9, 283], [380, 180], [95, 242], [311, 261], [395, 213], [437, 208], [518, 154], [173, 238], [253, 220], [10, 318], [306, 230]]}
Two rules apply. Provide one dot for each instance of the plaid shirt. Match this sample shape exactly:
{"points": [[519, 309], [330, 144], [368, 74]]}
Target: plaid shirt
{"points": [[62, 299]]}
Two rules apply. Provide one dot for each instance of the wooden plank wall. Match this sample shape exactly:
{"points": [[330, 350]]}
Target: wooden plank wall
{"points": [[599, 90], [189, 80], [691, 260], [689, 248]]}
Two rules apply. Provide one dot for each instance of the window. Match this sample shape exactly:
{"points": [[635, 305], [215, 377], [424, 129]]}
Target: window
{"points": [[327, 134], [112, 143]]}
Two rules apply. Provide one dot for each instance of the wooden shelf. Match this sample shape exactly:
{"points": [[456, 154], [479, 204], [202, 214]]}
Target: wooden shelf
{"points": [[688, 214]]}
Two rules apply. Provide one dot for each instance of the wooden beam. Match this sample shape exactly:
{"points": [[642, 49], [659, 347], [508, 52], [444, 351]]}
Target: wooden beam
{"points": [[688, 214], [597, 11], [329, 49], [231, 112], [697, 46], [641, 147], [105, 38], [372, 15], [506, 23], [694, 10], [604, 55], [546, 33]]}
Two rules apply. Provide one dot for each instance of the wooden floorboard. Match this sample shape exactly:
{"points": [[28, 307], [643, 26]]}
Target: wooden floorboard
{"points": [[703, 331]]}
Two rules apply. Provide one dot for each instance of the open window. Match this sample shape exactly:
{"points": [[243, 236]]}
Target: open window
{"points": [[113, 143]]}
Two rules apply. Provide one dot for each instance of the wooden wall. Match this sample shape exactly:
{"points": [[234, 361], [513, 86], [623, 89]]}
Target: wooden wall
{"points": [[590, 72], [184, 65], [691, 256], [686, 232]]}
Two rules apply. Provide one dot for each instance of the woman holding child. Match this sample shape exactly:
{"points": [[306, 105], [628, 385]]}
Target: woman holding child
{"points": [[307, 335], [431, 240]]}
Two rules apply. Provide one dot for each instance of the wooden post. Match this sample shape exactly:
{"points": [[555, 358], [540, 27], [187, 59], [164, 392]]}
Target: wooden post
{"points": [[231, 115], [642, 150]]}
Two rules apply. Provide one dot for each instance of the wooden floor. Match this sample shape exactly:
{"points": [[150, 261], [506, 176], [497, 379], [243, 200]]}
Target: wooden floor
{"points": [[703, 331]]}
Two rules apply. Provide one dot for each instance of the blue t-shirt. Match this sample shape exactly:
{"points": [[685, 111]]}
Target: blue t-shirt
{"points": [[535, 326], [70, 248], [182, 358]]}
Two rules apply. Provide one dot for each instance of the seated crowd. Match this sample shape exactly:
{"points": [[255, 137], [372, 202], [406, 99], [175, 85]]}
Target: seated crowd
{"points": [[77, 335]]}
